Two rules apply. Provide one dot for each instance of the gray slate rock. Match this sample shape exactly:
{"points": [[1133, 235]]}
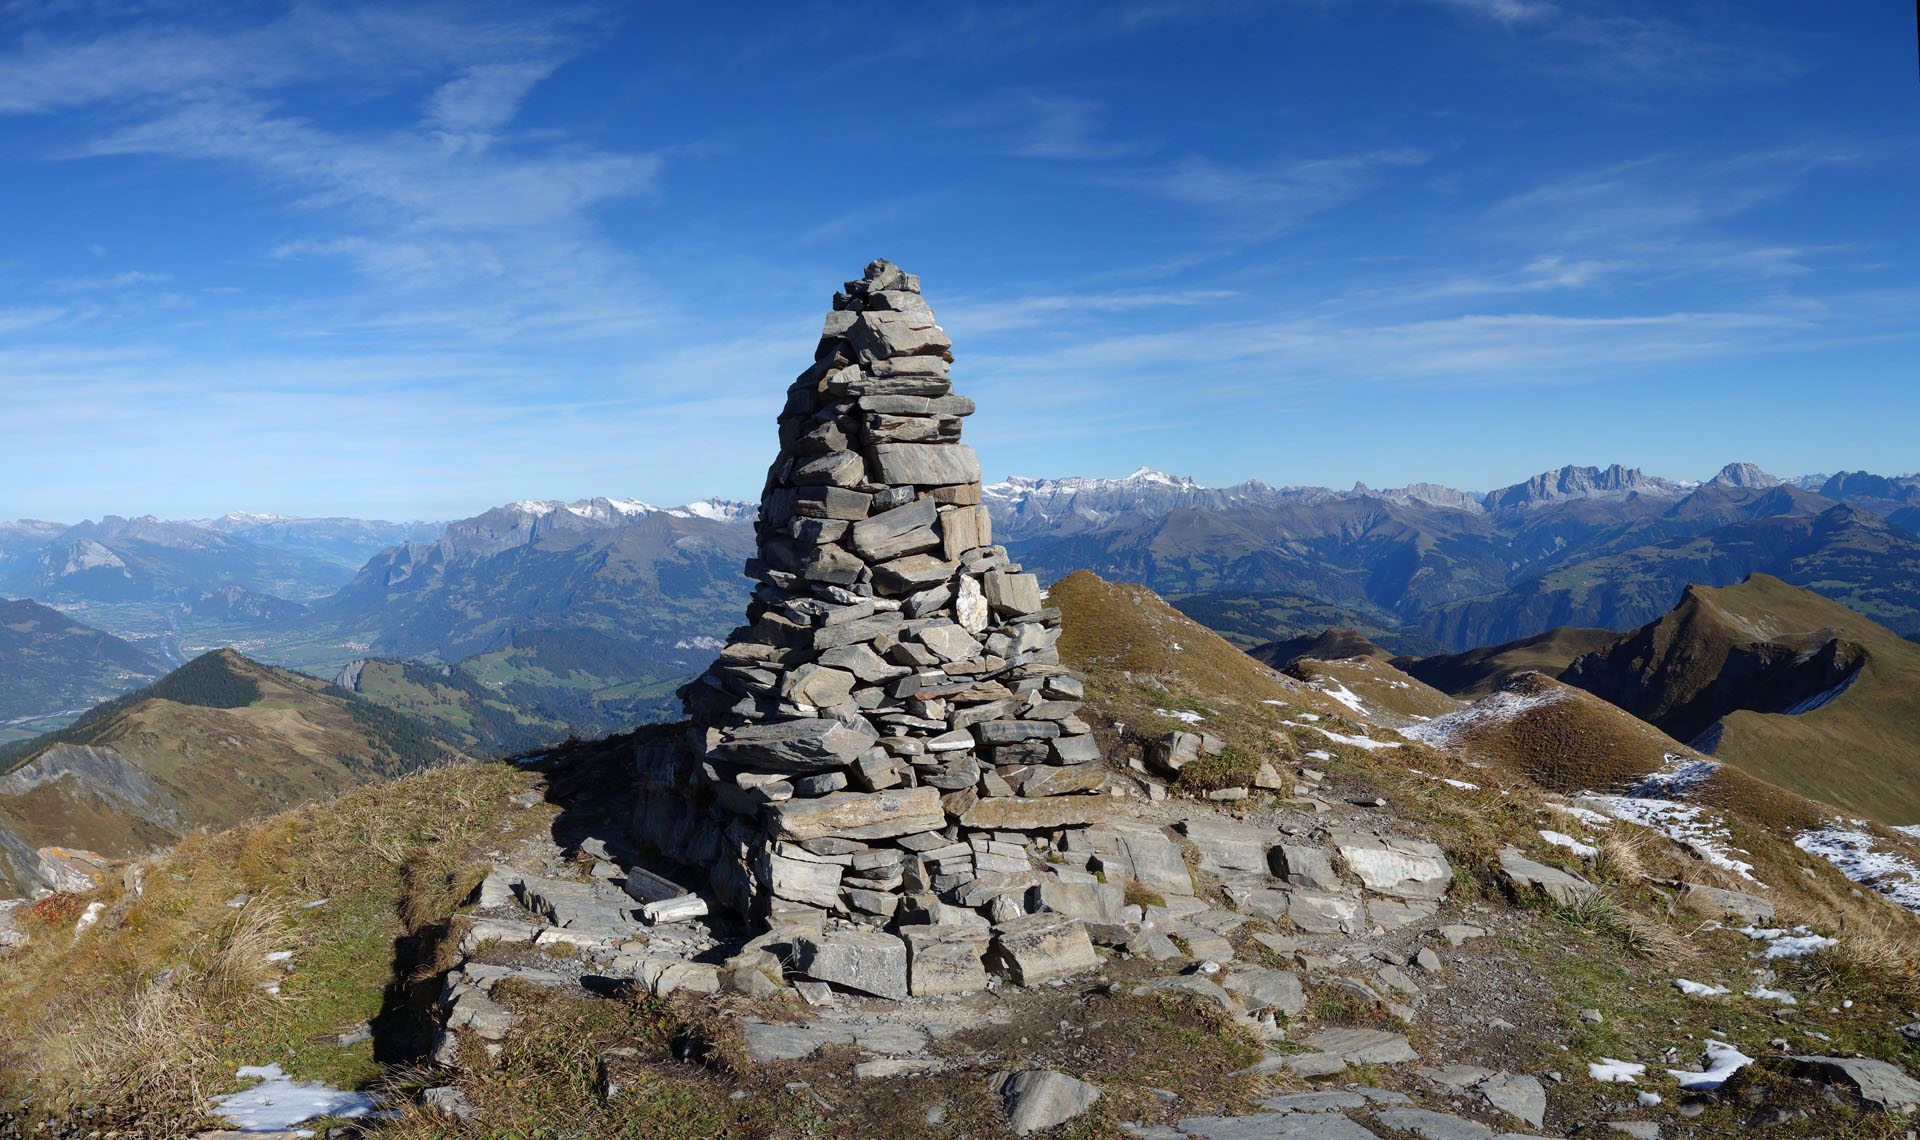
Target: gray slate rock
{"points": [[1040, 1099], [1275, 1126], [1517, 1095], [1430, 1125], [1526, 875], [1882, 1085], [868, 961], [1364, 1046]]}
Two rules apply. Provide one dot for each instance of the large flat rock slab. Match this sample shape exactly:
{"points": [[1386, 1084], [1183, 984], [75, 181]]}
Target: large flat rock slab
{"points": [[857, 815]]}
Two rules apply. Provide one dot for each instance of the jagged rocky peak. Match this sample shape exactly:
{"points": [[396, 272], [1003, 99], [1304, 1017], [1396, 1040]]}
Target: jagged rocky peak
{"points": [[893, 723], [1745, 475], [1570, 482]]}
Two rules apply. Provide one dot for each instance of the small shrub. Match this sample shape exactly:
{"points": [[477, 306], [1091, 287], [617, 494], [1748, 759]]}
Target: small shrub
{"points": [[1138, 895]]}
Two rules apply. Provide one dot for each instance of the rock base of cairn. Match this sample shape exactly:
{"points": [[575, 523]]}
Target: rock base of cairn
{"points": [[890, 742]]}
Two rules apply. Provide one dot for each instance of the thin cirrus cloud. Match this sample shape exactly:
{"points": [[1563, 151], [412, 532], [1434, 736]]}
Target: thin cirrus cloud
{"points": [[1271, 199]]}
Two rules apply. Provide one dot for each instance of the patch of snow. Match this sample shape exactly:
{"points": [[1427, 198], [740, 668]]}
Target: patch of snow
{"points": [[1495, 708], [1319, 754], [315, 903], [278, 1103], [1673, 782], [1781, 944], [1461, 784], [1765, 994], [1187, 717], [1562, 839], [1609, 1071], [1345, 696], [1282, 704], [280, 956], [1699, 989], [1722, 1061], [1649, 1100], [1365, 742], [1690, 824], [1850, 847], [1585, 815]]}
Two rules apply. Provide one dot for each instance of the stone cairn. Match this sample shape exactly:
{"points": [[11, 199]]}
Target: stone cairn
{"points": [[891, 740]]}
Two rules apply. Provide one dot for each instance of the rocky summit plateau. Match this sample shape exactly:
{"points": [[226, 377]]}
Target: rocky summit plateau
{"points": [[937, 852]]}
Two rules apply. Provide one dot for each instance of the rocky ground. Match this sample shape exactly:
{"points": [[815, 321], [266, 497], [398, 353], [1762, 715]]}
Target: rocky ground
{"points": [[1316, 954]]}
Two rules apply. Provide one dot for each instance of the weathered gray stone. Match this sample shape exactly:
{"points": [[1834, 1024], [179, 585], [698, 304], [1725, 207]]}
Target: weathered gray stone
{"points": [[1041, 1099], [1275, 1126], [1226, 845], [838, 468], [1517, 1095], [1525, 875], [1884, 1086], [817, 884], [1393, 914], [1075, 750], [1430, 1125], [768, 1043], [1278, 990], [1038, 948], [868, 961], [1713, 902], [949, 642], [884, 334], [1090, 902], [817, 685], [1325, 914], [862, 662], [1022, 814], [871, 533], [858, 815], [1364, 1046], [809, 745], [1303, 866], [924, 464], [946, 959], [912, 573], [1403, 868], [1011, 594]]}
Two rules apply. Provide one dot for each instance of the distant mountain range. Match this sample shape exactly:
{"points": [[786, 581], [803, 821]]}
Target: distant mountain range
{"points": [[217, 741], [587, 614]]}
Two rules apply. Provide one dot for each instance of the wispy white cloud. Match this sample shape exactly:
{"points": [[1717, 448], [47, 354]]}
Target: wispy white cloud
{"points": [[1505, 11], [1270, 199]]}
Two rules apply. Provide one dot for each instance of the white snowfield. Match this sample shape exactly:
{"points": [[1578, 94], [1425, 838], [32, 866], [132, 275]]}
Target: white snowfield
{"points": [[1654, 803], [1181, 715], [1782, 943], [278, 1102], [1495, 708], [1722, 1061], [1856, 852]]}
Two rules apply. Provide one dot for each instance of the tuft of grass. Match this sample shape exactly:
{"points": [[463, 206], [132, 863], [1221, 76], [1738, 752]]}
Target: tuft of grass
{"points": [[1234, 767], [1136, 893]]}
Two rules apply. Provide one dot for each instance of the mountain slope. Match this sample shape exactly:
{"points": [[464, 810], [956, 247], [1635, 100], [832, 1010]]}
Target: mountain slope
{"points": [[1848, 555], [1478, 672], [1782, 682], [50, 664], [220, 740]]}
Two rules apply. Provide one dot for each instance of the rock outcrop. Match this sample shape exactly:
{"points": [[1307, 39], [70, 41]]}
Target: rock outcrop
{"points": [[891, 735]]}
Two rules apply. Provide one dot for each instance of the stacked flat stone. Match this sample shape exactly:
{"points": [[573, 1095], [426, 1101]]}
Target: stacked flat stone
{"points": [[892, 735]]}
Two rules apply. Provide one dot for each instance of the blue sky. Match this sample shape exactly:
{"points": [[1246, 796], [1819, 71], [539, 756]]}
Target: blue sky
{"points": [[412, 261]]}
